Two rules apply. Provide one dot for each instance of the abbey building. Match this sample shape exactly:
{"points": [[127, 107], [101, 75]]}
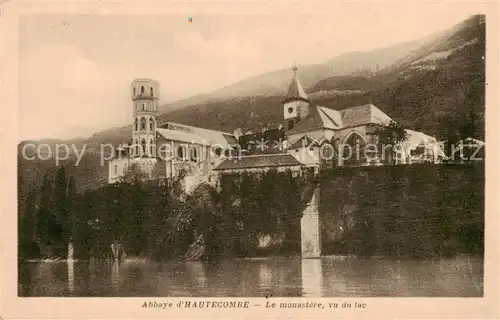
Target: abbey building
{"points": [[308, 135]]}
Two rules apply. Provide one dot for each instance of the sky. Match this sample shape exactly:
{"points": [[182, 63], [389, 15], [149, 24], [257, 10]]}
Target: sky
{"points": [[75, 70]]}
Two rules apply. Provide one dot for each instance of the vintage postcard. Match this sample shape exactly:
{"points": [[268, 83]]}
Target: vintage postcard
{"points": [[279, 159]]}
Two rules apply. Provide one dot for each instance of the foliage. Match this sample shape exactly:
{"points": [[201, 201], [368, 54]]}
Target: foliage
{"points": [[390, 135], [419, 211]]}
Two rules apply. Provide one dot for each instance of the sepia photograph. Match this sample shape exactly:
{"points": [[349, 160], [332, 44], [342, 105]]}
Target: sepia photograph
{"points": [[212, 155]]}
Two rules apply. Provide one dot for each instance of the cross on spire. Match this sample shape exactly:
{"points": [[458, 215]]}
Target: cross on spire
{"points": [[294, 68]]}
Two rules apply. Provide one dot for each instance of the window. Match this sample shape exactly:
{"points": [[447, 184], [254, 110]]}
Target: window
{"points": [[136, 124], [290, 110], [290, 124], [143, 146], [134, 91], [151, 124], [143, 107], [218, 151], [151, 147], [142, 89], [143, 123], [194, 154], [152, 92], [180, 152]]}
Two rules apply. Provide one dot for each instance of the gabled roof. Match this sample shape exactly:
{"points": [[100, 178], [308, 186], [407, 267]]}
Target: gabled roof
{"points": [[415, 139], [295, 91], [180, 136], [304, 142], [186, 133], [317, 119], [365, 114], [259, 161]]}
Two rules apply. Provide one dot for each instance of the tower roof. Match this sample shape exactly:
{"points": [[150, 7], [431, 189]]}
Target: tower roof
{"points": [[295, 91]]}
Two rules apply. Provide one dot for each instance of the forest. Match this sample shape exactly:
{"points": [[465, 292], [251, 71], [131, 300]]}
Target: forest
{"points": [[417, 211]]}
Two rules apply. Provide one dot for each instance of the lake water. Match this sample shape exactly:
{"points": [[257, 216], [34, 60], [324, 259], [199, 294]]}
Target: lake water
{"points": [[278, 277]]}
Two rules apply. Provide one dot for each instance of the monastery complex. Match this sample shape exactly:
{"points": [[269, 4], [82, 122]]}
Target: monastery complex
{"points": [[299, 142]]}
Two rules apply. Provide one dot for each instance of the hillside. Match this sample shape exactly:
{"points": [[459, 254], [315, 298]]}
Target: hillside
{"points": [[435, 89], [434, 84]]}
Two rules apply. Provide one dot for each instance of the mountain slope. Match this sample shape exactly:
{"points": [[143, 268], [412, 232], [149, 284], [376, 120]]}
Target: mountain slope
{"points": [[275, 83], [437, 88]]}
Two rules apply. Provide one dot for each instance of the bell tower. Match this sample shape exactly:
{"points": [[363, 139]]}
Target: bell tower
{"points": [[296, 103], [145, 95]]}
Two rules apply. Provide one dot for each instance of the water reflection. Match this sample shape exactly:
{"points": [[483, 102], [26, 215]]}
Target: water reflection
{"points": [[278, 277], [71, 275], [265, 275], [197, 274], [312, 278], [115, 276]]}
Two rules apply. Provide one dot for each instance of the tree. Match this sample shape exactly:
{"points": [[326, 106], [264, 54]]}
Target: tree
{"points": [[28, 248], [389, 137], [59, 230]]}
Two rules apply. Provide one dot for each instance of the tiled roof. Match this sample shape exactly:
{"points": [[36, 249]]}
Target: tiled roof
{"points": [[185, 133], [362, 115], [182, 136], [416, 139], [259, 161], [295, 91], [334, 115], [317, 119], [305, 141]]}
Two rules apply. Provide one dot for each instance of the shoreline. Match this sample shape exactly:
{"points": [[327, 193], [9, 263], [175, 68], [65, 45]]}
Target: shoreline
{"points": [[328, 257]]}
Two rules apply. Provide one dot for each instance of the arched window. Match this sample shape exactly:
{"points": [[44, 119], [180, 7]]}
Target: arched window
{"points": [[136, 124], [180, 152], [136, 143], [142, 89], [354, 150], [194, 154], [143, 107], [152, 92], [143, 123], [151, 153], [216, 151], [143, 146], [150, 124]]}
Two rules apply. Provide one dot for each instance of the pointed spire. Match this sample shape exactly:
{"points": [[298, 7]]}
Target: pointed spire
{"points": [[295, 91]]}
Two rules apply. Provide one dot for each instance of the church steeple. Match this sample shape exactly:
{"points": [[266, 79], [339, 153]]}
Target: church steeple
{"points": [[295, 90], [296, 102]]}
